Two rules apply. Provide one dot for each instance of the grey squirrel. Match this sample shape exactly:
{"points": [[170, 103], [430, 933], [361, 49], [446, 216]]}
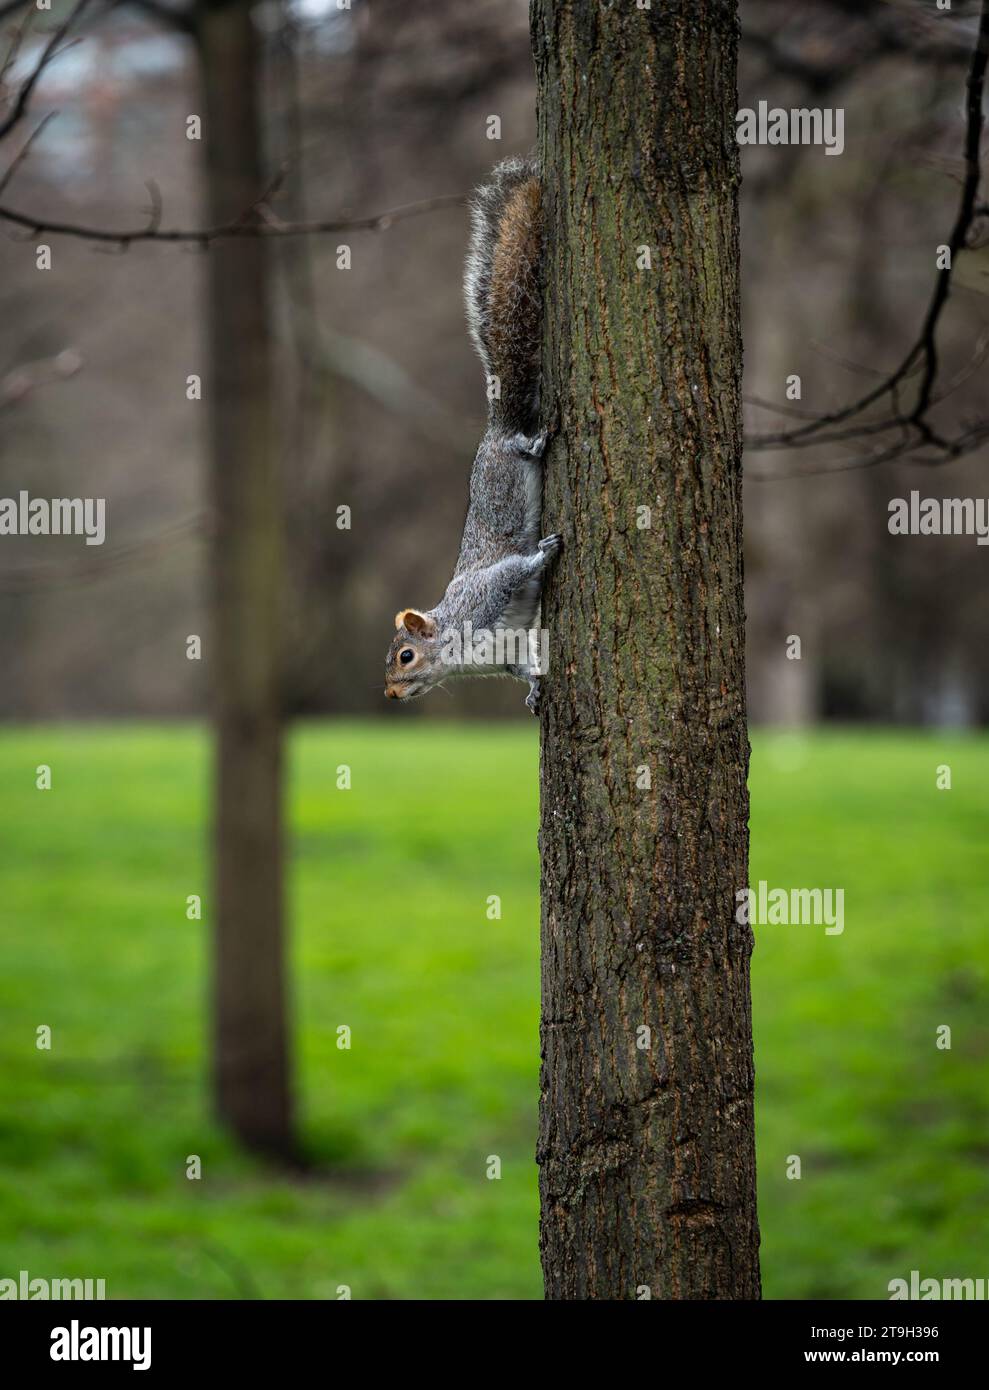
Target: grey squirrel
{"points": [[495, 590]]}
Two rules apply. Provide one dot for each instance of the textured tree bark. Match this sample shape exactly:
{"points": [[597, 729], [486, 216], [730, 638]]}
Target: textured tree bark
{"points": [[250, 1044], [647, 1167]]}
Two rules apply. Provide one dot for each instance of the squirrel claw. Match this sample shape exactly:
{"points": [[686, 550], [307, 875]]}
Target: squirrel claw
{"points": [[551, 545]]}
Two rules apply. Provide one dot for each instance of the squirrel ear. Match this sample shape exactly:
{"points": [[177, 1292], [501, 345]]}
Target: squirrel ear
{"points": [[414, 621]]}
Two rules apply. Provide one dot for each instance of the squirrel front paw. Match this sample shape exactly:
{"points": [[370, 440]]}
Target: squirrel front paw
{"points": [[551, 546], [533, 445], [535, 691]]}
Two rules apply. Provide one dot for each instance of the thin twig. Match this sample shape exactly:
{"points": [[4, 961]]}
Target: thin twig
{"points": [[8, 175], [19, 107], [203, 236], [922, 358]]}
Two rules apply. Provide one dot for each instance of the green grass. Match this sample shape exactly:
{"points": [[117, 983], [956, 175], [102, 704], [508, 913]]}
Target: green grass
{"points": [[389, 887]]}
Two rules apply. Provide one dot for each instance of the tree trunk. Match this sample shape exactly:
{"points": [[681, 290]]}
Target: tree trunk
{"points": [[647, 1167], [250, 1057]]}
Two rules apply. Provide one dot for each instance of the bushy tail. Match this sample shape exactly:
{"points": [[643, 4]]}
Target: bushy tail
{"points": [[502, 288]]}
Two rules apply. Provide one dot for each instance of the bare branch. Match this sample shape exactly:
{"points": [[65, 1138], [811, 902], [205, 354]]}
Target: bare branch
{"points": [[269, 226], [10, 57], [966, 211], [8, 175], [48, 53], [912, 425]]}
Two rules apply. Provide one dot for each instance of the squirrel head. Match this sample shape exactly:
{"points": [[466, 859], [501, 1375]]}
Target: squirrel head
{"points": [[413, 663]]}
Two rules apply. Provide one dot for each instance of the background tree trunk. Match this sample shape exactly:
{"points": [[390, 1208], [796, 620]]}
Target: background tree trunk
{"points": [[647, 1168], [251, 1063]]}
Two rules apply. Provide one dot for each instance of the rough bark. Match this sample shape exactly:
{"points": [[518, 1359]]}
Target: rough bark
{"points": [[647, 1169], [250, 1046]]}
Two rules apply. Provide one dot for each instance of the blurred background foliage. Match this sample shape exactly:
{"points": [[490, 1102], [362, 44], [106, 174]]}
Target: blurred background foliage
{"points": [[381, 405]]}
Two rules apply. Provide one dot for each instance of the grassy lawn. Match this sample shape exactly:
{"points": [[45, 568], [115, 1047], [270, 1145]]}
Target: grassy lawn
{"points": [[389, 887]]}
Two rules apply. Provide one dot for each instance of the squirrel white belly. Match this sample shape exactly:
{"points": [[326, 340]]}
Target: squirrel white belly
{"points": [[485, 622]]}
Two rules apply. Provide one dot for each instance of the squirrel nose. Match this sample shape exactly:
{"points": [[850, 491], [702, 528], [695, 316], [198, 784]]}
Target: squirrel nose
{"points": [[391, 693]]}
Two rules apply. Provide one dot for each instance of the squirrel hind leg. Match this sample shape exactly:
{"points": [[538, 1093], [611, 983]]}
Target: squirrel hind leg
{"points": [[532, 700], [534, 677], [532, 672]]}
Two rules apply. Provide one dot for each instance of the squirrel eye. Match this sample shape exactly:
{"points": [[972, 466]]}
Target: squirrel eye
{"points": [[406, 656]]}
